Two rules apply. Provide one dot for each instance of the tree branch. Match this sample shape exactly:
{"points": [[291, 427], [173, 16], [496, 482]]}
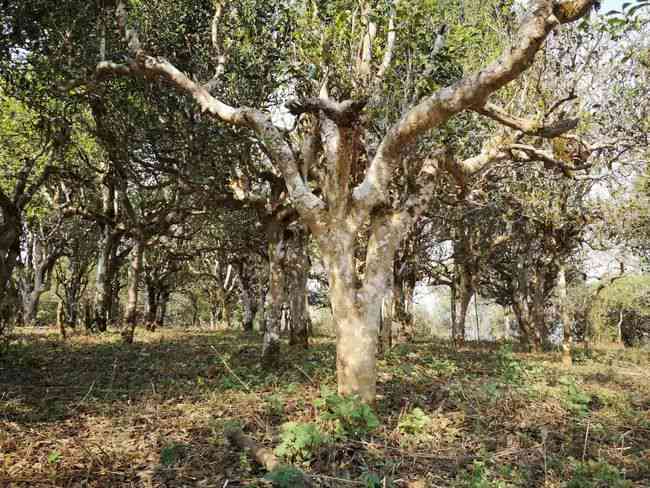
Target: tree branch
{"points": [[527, 126], [471, 91]]}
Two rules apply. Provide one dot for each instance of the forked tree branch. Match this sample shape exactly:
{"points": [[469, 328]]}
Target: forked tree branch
{"points": [[471, 91]]}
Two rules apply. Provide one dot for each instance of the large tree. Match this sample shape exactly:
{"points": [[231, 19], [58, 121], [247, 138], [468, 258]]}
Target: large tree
{"points": [[335, 143]]}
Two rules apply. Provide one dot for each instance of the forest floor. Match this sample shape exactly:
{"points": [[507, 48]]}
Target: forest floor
{"points": [[92, 411]]}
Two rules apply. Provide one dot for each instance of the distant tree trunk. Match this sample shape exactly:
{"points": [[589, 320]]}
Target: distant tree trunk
{"points": [[34, 277], [60, 319], [277, 295], [462, 293], [131, 311], [225, 310], [567, 337], [163, 301], [151, 293], [297, 268], [250, 308]]}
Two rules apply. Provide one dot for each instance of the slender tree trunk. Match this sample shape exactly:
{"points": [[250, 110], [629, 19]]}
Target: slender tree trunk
{"points": [[131, 312], [161, 316], [103, 281], [297, 267], [567, 337], [250, 308], [151, 305]]}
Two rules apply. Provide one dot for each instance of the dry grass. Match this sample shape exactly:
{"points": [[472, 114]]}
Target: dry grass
{"points": [[95, 412]]}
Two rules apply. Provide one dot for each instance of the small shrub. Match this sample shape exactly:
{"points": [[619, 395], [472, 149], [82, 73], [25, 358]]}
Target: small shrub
{"points": [[414, 422], [350, 415], [299, 441], [479, 477], [509, 367], [574, 398], [172, 453], [595, 474], [286, 477]]}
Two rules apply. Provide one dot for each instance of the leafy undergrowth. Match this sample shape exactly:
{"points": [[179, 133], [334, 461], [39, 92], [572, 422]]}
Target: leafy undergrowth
{"points": [[95, 412]]}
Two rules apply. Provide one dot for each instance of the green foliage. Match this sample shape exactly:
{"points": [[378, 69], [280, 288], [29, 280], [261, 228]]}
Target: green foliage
{"points": [[510, 368], [597, 474], [285, 477], [172, 453], [54, 457], [351, 417], [414, 422], [300, 441], [371, 480], [626, 300], [479, 477], [575, 399], [274, 405]]}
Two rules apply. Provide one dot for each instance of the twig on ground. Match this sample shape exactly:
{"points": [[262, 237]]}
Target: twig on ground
{"points": [[305, 374], [231, 371]]}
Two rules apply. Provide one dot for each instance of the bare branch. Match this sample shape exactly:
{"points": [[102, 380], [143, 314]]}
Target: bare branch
{"points": [[344, 113], [527, 126]]}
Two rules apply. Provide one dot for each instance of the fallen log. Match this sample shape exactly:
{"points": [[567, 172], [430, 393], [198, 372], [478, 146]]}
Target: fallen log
{"points": [[280, 474]]}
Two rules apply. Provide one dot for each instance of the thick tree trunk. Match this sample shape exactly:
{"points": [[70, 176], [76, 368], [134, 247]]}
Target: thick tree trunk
{"points": [[277, 295], [356, 345], [567, 336]]}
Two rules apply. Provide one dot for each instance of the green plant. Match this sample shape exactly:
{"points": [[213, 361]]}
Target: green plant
{"points": [[575, 399], [597, 474], [479, 477], [509, 367], [299, 441], [371, 480], [286, 477], [54, 457], [349, 414], [414, 422], [172, 453], [274, 405]]}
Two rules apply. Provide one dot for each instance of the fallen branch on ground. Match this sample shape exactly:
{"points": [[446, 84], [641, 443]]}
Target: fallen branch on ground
{"points": [[265, 456]]}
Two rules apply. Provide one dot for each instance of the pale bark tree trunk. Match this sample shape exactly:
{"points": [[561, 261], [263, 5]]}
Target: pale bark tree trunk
{"points": [[386, 322], [34, 277], [567, 336]]}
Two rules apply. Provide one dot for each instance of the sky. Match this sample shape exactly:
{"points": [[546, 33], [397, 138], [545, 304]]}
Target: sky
{"points": [[613, 5]]}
